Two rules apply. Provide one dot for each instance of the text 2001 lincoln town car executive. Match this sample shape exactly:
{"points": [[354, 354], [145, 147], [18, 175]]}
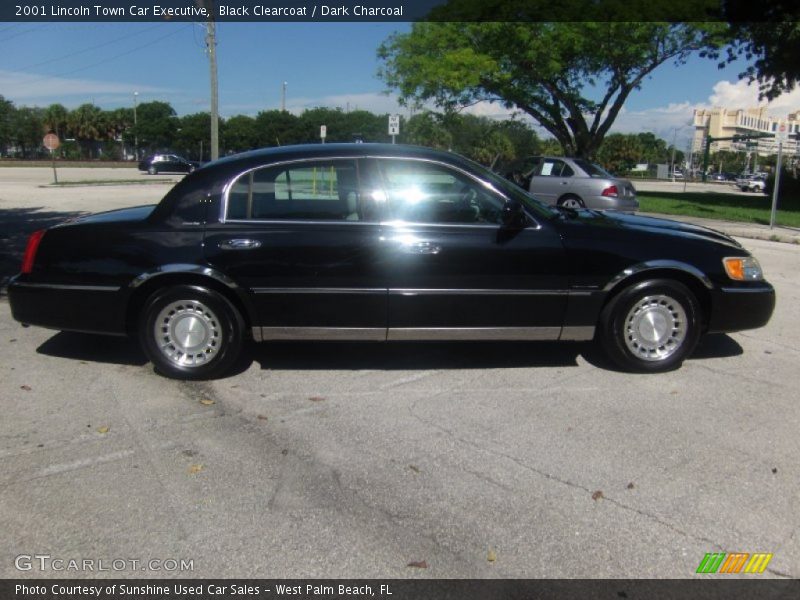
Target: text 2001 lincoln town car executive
{"points": [[376, 243]]}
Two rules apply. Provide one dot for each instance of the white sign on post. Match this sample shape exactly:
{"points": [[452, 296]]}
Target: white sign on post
{"points": [[394, 124], [782, 133], [323, 132]]}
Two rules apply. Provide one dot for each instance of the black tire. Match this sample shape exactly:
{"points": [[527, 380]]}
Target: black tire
{"points": [[651, 326], [152, 170], [571, 201], [191, 332]]}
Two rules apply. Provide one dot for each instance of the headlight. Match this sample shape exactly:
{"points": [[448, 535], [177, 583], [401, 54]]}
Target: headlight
{"points": [[743, 268]]}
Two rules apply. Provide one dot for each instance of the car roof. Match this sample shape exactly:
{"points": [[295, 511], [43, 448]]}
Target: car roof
{"points": [[284, 153]]}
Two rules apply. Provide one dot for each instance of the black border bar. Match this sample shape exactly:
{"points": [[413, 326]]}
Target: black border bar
{"points": [[701, 588]]}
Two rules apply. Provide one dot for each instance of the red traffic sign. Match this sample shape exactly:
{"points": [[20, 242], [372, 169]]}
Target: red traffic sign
{"points": [[51, 141]]}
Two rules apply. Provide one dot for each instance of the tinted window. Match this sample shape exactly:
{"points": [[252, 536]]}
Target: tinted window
{"points": [[324, 190], [422, 192]]}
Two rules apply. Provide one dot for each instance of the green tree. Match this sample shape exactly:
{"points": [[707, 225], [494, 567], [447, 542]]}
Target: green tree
{"points": [[767, 34], [87, 125], [55, 119], [426, 129], [7, 110], [240, 134], [547, 70], [194, 136], [157, 125], [277, 128], [27, 131], [620, 152]]}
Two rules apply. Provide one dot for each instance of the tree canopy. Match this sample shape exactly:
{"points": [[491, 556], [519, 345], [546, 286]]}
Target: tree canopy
{"points": [[572, 77]]}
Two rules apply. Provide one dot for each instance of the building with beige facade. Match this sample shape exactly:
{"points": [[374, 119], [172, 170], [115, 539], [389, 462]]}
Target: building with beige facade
{"points": [[722, 122]]}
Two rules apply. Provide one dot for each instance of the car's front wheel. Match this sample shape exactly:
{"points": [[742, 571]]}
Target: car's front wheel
{"points": [[191, 332], [152, 170], [651, 326]]}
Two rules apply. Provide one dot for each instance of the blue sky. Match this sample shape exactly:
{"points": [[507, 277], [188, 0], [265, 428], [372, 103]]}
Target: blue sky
{"points": [[325, 64]]}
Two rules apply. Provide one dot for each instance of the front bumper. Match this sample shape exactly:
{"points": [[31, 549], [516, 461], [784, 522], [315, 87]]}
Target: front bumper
{"points": [[740, 308]]}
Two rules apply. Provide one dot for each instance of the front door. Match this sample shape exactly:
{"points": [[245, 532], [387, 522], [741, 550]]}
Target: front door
{"points": [[454, 272]]}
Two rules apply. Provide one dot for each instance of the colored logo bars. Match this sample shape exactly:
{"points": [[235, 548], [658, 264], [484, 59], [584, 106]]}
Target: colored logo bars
{"points": [[735, 562]]}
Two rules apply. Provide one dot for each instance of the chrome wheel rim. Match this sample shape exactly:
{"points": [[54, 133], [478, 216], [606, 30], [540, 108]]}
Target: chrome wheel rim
{"points": [[571, 203], [187, 333], [655, 328]]}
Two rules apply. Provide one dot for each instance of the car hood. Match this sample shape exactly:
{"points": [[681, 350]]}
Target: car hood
{"points": [[642, 223], [136, 213]]}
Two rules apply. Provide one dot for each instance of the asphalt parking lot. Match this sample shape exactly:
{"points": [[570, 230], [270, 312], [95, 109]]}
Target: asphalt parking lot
{"points": [[344, 460]]}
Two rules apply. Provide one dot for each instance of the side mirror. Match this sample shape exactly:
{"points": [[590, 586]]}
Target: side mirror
{"points": [[513, 215]]}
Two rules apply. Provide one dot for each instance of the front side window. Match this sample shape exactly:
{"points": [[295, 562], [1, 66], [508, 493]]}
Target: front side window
{"points": [[314, 191], [423, 192]]}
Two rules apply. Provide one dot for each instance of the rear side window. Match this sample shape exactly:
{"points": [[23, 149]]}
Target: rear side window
{"points": [[314, 191]]}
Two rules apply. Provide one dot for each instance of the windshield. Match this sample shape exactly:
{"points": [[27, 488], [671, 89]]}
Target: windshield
{"points": [[592, 169]]}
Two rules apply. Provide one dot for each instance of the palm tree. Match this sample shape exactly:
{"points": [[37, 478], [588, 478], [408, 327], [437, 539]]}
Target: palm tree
{"points": [[86, 125]]}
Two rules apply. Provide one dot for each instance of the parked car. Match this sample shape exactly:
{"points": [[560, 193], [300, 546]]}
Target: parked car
{"points": [[752, 183], [575, 183], [380, 243], [167, 163]]}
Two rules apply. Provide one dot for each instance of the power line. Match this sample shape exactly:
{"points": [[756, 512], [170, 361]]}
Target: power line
{"points": [[110, 58], [89, 49]]}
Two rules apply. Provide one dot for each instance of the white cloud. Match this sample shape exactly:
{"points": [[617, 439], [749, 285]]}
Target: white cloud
{"points": [[26, 88]]}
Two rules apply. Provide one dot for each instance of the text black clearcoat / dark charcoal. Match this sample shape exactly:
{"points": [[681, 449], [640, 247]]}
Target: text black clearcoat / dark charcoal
{"points": [[380, 243]]}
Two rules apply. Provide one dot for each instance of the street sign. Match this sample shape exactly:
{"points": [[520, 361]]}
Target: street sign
{"points": [[51, 141], [394, 124], [323, 132], [782, 133]]}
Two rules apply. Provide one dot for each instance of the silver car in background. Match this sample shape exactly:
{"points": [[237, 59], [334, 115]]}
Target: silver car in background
{"points": [[576, 183]]}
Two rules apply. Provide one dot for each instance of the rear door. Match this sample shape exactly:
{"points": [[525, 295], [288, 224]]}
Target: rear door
{"points": [[552, 179], [303, 241]]}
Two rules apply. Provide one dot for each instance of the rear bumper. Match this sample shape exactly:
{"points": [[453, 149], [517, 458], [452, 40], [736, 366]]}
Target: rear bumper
{"points": [[740, 308], [91, 309]]}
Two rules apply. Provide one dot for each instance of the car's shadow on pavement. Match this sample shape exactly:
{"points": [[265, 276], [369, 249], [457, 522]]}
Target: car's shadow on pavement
{"points": [[717, 345], [88, 347], [414, 355], [317, 356], [16, 224]]}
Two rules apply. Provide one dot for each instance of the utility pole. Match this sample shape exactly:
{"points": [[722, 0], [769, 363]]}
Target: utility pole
{"points": [[135, 128], [283, 96], [211, 46], [211, 41]]}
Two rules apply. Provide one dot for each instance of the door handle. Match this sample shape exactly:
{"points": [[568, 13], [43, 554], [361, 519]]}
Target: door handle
{"points": [[422, 248], [239, 244]]}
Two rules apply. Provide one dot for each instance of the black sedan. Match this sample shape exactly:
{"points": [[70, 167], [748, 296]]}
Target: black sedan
{"points": [[167, 163], [381, 243]]}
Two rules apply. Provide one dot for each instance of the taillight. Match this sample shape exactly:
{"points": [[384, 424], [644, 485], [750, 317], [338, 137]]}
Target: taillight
{"points": [[610, 191], [30, 250]]}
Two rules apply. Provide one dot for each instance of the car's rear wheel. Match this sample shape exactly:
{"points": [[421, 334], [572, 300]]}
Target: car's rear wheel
{"points": [[153, 170], [571, 201], [651, 326], [190, 332]]}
